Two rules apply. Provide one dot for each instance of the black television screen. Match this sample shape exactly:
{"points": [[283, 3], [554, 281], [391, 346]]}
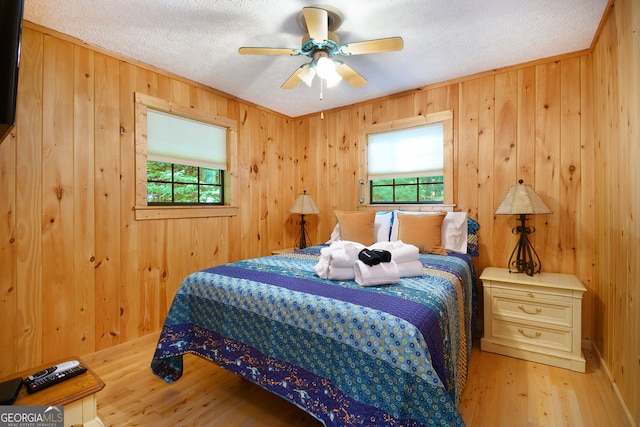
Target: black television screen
{"points": [[10, 32]]}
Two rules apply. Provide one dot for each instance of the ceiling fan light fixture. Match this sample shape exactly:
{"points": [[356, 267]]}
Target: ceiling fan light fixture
{"points": [[307, 75], [326, 68], [333, 79]]}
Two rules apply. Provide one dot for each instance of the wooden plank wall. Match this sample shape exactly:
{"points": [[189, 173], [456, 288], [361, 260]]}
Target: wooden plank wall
{"points": [[616, 320], [78, 272]]}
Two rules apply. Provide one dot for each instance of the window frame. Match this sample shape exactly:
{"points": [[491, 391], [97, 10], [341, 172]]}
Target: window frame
{"points": [[145, 212], [444, 117]]}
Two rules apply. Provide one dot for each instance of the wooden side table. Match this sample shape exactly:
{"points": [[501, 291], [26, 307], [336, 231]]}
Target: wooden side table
{"points": [[77, 395], [536, 318]]}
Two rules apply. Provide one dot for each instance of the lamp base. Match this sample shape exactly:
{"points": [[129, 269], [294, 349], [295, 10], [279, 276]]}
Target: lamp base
{"points": [[527, 260], [303, 236]]}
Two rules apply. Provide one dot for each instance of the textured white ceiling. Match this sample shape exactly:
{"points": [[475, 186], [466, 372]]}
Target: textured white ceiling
{"points": [[443, 39]]}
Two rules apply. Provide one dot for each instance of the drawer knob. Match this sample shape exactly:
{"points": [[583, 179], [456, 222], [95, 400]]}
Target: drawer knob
{"points": [[521, 307], [530, 295], [537, 334]]}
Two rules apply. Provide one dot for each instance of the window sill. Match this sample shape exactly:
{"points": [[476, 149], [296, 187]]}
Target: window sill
{"points": [[430, 207], [176, 212]]}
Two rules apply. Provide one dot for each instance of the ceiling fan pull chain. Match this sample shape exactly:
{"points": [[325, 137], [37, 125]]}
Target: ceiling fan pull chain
{"points": [[321, 86]]}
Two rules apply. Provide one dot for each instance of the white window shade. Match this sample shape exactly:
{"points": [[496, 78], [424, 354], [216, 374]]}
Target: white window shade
{"points": [[175, 139], [406, 153]]}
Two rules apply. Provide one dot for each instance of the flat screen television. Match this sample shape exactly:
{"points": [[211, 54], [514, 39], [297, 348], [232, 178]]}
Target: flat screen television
{"points": [[11, 12]]}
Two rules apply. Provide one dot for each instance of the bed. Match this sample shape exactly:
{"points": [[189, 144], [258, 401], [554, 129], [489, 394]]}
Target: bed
{"points": [[393, 355]]}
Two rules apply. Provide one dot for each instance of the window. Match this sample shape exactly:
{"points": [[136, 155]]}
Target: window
{"points": [[409, 161], [407, 165], [183, 161]]}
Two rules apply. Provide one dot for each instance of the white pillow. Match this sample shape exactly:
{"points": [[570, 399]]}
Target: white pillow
{"points": [[382, 228], [454, 230]]}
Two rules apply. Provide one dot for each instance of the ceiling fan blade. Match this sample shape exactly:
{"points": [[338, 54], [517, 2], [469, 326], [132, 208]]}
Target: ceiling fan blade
{"points": [[372, 46], [317, 21], [293, 80], [267, 51], [352, 77]]}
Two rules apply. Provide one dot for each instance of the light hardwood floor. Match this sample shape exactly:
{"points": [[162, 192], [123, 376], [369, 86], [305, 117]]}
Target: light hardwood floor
{"points": [[500, 391]]}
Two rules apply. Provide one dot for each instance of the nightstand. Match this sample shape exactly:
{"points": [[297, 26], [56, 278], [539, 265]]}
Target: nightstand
{"points": [[536, 318], [77, 395]]}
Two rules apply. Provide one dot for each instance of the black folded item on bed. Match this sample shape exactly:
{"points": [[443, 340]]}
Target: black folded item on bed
{"points": [[374, 256]]}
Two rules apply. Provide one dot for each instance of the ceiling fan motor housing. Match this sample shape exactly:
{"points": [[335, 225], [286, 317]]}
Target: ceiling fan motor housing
{"points": [[331, 46], [334, 18]]}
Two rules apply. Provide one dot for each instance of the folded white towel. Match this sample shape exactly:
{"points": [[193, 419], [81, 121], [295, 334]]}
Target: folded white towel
{"points": [[344, 273], [341, 244], [345, 257], [342, 253], [322, 268], [405, 253], [339, 262], [410, 268], [384, 273], [325, 271], [400, 252]]}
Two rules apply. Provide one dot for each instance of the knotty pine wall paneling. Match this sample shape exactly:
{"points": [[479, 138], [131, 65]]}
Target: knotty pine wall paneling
{"points": [[26, 337], [84, 193], [616, 197], [8, 270], [79, 273], [58, 311], [108, 263], [505, 158]]}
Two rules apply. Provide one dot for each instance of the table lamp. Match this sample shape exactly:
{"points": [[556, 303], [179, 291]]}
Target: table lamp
{"points": [[522, 200], [303, 205]]}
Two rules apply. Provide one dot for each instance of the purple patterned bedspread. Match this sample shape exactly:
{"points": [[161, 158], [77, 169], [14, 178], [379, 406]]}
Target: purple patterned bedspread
{"points": [[392, 355]]}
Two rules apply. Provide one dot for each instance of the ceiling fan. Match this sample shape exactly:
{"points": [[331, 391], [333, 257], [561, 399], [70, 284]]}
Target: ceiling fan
{"points": [[320, 43]]}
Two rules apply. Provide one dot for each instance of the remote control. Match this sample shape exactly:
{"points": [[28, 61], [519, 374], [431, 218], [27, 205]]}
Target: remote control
{"points": [[60, 367], [55, 378]]}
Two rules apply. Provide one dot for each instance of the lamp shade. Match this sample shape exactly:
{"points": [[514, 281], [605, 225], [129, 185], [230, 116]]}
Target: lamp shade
{"points": [[307, 74], [304, 205], [522, 199]]}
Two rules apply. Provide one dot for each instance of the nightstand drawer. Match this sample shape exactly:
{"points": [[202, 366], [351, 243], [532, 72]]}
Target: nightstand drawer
{"points": [[557, 339], [531, 306]]}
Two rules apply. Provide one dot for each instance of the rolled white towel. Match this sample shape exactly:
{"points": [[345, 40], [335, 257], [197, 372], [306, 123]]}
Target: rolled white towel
{"points": [[342, 253], [322, 267], [410, 268], [405, 253], [325, 270], [384, 273], [341, 244], [344, 257], [400, 252], [387, 246], [341, 273]]}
